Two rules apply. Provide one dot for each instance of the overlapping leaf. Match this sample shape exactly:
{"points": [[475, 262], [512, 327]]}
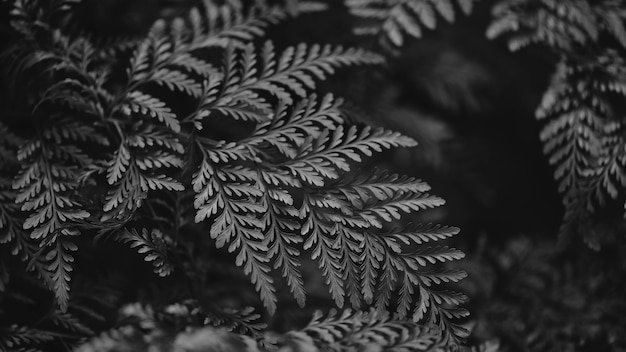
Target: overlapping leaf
{"points": [[351, 233]]}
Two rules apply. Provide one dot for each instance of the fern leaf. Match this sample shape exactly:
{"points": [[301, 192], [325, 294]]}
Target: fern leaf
{"points": [[294, 72], [361, 331], [70, 323], [231, 198], [59, 268], [20, 337], [440, 277], [176, 80], [433, 255], [392, 209], [559, 25], [153, 245], [140, 165], [393, 20], [581, 136], [324, 251], [153, 107], [364, 263], [280, 228], [228, 24], [321, 158], [46, 187], [297, 67], [242, 321], [285, 133]]}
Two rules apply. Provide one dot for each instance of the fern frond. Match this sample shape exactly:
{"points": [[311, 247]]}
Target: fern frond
{"points": [[322, 158], [280, 229], [223, 24], [153, 244], [299, 142], [392, 21], [285, 132], [21, 337], [81, 80], [362, 263], [583, 136], [230, 196], [59, 268], [165, 58], [69, 322], [139, 165], [46, 186], [364, 330], [153, 107], [611, 16], [242, 321], [557, 24], [434, 255], [251, 79], [266, 194]]}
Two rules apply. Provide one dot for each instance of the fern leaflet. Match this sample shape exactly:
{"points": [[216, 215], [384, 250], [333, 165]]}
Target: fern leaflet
{"points": [[46, 184], [154, 245], [361, 263], [392, 21], [362, 330], [136, 169], [249, 80]]}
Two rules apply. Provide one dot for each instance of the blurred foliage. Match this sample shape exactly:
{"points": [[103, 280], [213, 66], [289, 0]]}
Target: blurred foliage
{"points": [[543, 297], [582, 110]]}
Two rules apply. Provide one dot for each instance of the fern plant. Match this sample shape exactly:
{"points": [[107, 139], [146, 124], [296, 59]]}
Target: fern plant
{"points": [[391, 22], [583, 118], [127, 145]]}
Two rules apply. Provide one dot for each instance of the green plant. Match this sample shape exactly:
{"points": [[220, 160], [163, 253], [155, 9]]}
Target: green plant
{"points": [[201, 135]]}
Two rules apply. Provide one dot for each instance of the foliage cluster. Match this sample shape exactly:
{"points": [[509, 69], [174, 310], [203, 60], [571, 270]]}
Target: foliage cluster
{"points": [[392, 21], [203, 139], [582, 109], [199, 184]]}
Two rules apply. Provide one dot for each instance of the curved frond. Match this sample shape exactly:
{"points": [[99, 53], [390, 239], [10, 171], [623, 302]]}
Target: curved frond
{"points": [[363, 330], [584, 138], [391, 21], [561, 25], [250, 79], [366, 264], [154, 245], [223, 24]]}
